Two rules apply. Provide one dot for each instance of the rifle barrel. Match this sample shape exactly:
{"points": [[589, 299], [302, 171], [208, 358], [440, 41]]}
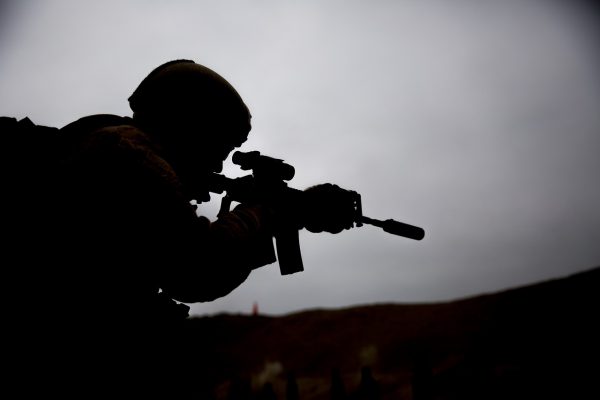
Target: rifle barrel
{"points": [[396, 227]]}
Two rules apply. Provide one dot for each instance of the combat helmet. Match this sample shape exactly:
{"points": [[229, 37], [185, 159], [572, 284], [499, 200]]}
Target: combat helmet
{"points": [[184, 93]]}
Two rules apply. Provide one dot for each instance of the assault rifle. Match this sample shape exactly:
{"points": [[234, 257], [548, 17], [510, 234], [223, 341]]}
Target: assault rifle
{"points": [[268, 183]]}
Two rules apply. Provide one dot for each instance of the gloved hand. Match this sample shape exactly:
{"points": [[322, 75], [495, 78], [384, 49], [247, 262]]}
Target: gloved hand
{"points": [[329, 208]]}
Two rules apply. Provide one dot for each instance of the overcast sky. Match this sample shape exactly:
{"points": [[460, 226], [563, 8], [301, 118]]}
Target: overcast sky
{"points": [[477, 120]]}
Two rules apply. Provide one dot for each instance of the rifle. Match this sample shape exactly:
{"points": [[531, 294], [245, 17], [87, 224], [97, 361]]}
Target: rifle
{"points": [[268, 183]]}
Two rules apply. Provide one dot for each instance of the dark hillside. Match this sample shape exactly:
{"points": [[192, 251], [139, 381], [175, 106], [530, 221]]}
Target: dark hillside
{"points": [[538, 341]]}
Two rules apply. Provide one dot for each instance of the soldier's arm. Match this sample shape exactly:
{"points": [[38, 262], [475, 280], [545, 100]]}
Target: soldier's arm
{"points": [[189, 257]]}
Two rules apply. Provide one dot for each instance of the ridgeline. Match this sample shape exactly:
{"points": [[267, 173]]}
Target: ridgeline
{"points": [[537, 341]]}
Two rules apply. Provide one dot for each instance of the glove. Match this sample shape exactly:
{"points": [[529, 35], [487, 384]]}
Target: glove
{"points": [[328, 208]]}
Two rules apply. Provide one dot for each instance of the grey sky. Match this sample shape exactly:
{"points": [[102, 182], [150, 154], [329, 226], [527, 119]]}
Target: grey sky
{"points": [[477, 120]]}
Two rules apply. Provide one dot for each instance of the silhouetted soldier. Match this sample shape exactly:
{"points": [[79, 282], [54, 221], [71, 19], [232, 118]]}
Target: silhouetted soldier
{"points": [[368, 389], [267, 392], [291, 388], [338, 389], [240, 389], [422, 381], [117, 244]]}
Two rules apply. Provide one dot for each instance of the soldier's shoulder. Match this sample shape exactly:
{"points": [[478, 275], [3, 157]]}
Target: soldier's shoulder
{"points": [[103, 132], [108, 140], [93, 122]]}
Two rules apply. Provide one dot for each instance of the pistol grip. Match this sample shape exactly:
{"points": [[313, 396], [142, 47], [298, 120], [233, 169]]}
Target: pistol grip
{"points": [[288, 251]]}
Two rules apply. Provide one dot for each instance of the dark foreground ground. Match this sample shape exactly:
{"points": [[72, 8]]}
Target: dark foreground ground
{"points": [[534, 342]]}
